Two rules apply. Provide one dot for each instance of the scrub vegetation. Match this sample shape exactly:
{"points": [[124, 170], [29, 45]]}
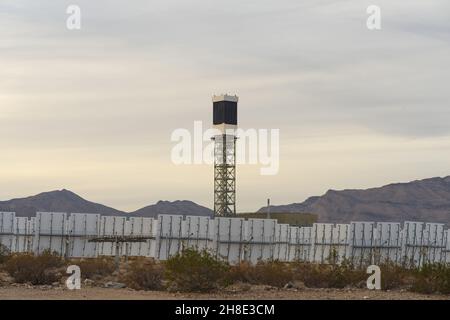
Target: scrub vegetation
{"points": [[201, 271]]}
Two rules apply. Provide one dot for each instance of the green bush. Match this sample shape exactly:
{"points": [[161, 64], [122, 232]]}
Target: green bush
{"points": [[144, 274], [432, 278], [195, 271], [37, 270]]}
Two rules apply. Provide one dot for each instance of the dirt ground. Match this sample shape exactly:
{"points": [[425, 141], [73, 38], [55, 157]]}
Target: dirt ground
{"points": [[257, 292]]}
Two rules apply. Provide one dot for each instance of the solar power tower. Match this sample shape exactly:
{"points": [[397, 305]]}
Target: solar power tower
{"points": [[225, 121]]}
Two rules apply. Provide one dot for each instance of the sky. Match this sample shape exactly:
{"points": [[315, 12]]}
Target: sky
{"points": [[93, 110]]}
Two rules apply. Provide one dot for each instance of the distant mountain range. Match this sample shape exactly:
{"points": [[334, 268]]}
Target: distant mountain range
{"points": [[425, 200], [67, 201], [182, 207], [421, 200]]}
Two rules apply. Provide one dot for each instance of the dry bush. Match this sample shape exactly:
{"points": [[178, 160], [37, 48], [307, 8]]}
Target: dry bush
{"points": [[329, 276], [144, 274], [243, 272], [95, 267], [393, 276], [37, 270], [4, 254], [273, 273], [432, 278], [312, 275], [194, 271]]}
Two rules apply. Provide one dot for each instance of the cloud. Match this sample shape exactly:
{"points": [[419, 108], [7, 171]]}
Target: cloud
{"points": [[136, 71]]}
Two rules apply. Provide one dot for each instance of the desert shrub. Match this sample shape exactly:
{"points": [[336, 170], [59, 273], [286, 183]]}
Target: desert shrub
{"points": [[393, 276], [196, 271], [432, 278], [91, 268], [347, 275], [333, 257], [243, 272], [329, 276], [4, 254], [41, 269], [312, 275], [273, 273], [144, 274]]}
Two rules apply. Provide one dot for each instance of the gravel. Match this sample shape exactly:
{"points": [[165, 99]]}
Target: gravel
{"points": [[252, 293]]}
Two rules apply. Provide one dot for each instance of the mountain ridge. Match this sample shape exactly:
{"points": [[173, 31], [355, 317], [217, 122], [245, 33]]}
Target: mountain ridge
{"points": [[68, 201], [425, 200]]}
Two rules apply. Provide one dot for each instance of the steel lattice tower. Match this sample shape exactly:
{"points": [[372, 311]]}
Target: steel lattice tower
{"points": [[225, 121]]}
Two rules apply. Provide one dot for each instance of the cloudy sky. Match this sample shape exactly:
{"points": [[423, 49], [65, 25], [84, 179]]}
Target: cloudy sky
{"points": [[92, 110]]}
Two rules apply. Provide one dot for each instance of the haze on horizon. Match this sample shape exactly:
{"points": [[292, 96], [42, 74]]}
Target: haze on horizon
{"points": [[93, 110]]}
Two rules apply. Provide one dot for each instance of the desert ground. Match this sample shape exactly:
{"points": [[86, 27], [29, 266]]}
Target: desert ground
{"points": [[24, 292]]}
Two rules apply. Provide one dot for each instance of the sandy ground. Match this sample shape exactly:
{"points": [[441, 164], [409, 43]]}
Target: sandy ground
{"points": [[21, 293]]}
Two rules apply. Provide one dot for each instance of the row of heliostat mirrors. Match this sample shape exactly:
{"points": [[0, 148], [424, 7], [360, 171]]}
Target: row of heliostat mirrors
{"points": [[233, 239]]}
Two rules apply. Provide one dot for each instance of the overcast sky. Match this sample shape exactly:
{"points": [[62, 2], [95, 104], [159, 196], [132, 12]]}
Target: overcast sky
{"points": [[92, 110]]}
